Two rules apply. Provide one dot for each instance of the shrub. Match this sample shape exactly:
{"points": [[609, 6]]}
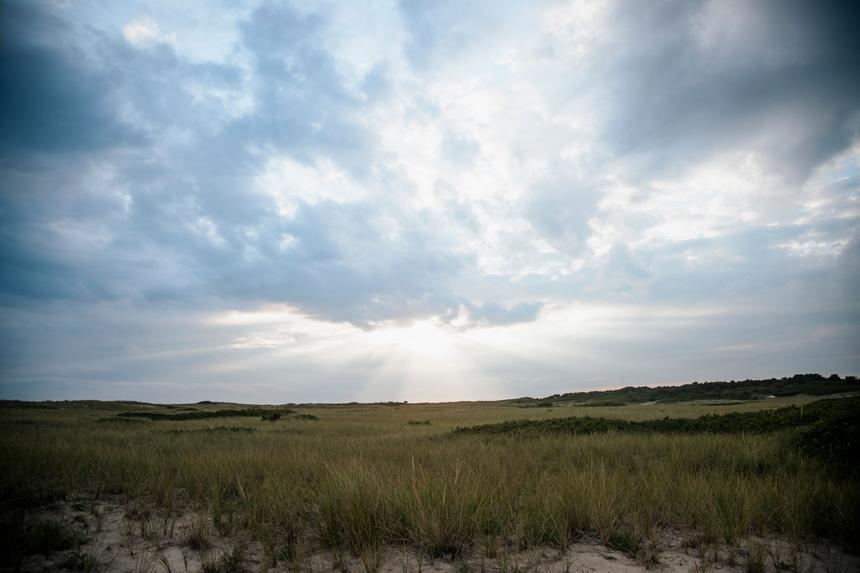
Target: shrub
{"points": [[203, 415]]}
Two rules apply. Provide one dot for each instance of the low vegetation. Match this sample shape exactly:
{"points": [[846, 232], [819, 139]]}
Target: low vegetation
{"points": [[807, 384], [827, 429], [191, 414], [604, 404], [836, 417], [23, 536], [364, 478]]}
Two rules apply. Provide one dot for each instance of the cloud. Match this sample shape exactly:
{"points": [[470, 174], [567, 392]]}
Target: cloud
{"points": [[499, 181], [145, 31], [689, 79], [561, 207], [54, 99], [494, 314]]}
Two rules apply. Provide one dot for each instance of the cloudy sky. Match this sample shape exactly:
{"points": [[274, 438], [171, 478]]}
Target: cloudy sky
{"points": [[380, 200]]}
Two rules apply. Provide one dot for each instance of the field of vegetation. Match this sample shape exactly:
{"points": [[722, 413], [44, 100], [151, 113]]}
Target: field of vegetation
{"points": [[473, 485]]}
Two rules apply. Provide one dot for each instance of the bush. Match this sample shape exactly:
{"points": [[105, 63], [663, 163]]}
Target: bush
{"points": [[826, 428], [202, 415]]}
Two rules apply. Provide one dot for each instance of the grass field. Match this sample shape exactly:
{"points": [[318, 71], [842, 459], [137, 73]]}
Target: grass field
{"points": [[356, 480]]}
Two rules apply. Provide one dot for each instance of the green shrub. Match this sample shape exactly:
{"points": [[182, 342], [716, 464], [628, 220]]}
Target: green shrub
{"points": [[830, 417], [204, 414]]}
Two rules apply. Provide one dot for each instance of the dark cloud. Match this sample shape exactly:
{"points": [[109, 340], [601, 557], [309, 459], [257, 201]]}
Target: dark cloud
{"points": [[688, 79], [341, 268], [303, 106], [53, 99]]}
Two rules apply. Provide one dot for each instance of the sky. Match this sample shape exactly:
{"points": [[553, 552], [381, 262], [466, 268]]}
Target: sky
{"points": [[332, 201]]}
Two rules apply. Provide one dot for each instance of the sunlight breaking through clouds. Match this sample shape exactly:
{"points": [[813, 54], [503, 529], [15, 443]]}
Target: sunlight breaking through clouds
{"points": [[286, 201]]}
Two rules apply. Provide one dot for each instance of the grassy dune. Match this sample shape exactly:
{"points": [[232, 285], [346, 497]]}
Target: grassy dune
{"points": [[826, 429], [358, 478]]}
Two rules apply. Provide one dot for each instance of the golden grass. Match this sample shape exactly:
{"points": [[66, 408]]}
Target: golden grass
{"points": [[362, 478]]}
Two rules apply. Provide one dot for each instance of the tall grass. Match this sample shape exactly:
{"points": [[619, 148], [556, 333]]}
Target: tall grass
{"points": [[361, 480]]}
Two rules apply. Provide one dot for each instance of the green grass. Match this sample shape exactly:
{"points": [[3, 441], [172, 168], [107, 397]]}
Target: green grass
{"points": [[361, 478], [828, 429], [193, 414], [759, 421]]}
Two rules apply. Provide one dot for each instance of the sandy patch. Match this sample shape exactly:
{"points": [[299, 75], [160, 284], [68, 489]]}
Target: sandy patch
{"points": [[130, 539]]}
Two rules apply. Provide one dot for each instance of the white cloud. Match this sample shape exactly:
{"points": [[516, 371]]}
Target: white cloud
{"points": [[144, 31], [290, 183]]}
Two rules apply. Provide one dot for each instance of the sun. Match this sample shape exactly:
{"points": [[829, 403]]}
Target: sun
{"points": [[426, 361], [423, 337]]}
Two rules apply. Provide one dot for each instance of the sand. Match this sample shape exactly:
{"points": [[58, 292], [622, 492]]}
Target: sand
{"points": [[114, 542]]}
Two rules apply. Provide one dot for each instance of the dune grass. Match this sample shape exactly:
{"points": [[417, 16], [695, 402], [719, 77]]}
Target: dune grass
{"points": [[828, 429], [362, 478], [194, 414]]}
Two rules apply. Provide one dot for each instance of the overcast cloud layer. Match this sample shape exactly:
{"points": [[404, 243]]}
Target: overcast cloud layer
{"points": [[335, 201]]}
